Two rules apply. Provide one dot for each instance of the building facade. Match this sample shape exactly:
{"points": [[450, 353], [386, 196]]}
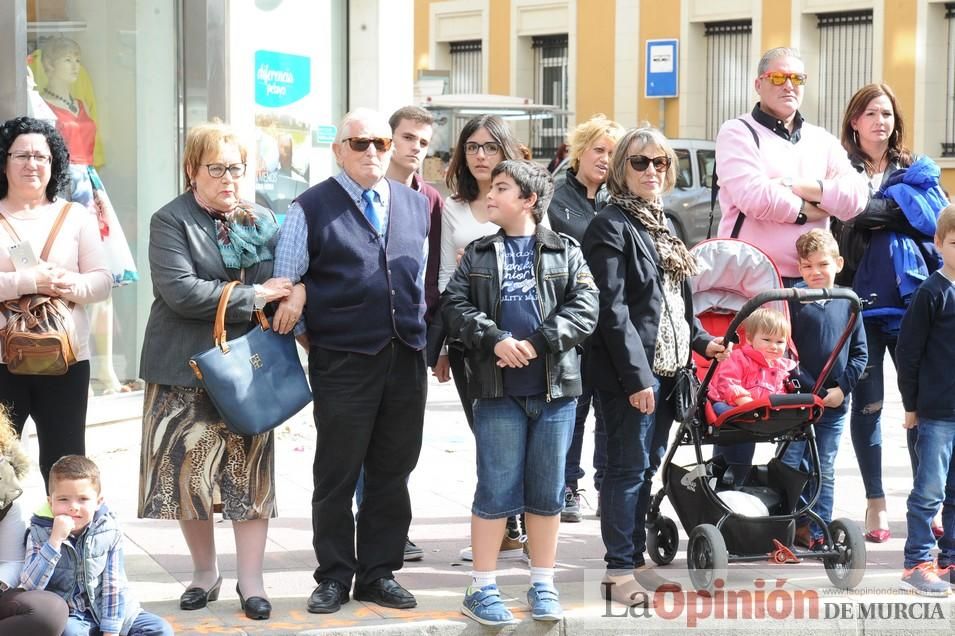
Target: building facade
{"points": [[908, 44]]}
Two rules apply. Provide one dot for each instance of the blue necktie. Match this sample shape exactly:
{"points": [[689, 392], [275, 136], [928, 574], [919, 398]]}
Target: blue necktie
{"points": [[371, 210]]}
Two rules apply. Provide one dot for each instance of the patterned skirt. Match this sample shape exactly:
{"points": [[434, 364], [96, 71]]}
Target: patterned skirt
{"points": [[190, 462]]}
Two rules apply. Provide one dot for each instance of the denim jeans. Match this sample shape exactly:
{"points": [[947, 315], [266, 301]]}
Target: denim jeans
{"points": [[934, 486], [865, 423], [521, 445], [573, 472], [146, 624], [828, 431], [636, 444]]}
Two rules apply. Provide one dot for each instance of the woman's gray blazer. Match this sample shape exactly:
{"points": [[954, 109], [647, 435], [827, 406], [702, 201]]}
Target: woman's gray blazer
{"points": [[188, 276]]}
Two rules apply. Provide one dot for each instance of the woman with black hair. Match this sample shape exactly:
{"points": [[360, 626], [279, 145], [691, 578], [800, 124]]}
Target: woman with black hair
{"points": [[35, 170]]}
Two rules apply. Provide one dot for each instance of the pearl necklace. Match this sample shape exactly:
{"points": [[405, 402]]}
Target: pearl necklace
{"points": [[68, 100]]}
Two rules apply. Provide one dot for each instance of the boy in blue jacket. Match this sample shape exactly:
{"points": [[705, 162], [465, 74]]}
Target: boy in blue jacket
{"points": [[924, 355], [76, 539]]}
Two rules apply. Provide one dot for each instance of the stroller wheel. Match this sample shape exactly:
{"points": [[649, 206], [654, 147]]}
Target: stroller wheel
{"points": [[846, 570], [706, 557], [663, 540]]}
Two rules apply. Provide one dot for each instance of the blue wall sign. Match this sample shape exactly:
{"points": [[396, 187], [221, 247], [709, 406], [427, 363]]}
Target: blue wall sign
{"points": [[281, 78], [662, 68]]}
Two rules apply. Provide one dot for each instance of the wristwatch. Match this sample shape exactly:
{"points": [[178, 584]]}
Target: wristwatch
{"points": [[258, 304], [801, 217]]}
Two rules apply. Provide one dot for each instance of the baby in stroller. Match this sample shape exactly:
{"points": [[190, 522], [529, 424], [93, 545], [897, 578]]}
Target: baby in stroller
{"points": [[756, 369]]}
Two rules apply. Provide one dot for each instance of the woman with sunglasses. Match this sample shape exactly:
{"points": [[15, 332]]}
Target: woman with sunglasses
{"points": [[190, 463], [644, 334], [873, 135]]}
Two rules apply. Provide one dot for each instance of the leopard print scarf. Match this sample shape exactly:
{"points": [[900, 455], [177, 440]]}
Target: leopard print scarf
{"points": [[675, 259]]}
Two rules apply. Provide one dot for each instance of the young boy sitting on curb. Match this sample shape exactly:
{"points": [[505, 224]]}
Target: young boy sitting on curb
{"points": [[924, 355], [817, 327], [75, 538], [520, 301]]}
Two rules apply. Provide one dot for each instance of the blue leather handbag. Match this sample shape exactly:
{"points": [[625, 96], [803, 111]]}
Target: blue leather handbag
{"points": [[256, 381]]}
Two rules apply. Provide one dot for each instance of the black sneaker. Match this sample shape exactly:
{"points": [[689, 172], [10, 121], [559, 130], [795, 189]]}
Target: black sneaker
{"points": [[412, 552], [571, 511]]}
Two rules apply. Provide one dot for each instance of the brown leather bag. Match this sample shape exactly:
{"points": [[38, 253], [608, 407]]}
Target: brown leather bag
{"points": [[39, 335]]}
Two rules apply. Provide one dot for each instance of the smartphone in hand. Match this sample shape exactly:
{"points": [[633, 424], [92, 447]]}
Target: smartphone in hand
{"points": [[23, 256]]}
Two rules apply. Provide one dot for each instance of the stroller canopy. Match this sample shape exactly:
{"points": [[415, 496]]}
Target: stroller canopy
{"points": [[732, 272]]}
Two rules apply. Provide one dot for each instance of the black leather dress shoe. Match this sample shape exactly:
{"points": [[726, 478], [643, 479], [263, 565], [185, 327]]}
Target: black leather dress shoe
{"points": [[327, 597], [386, 592], [256, 607], [196, 598]]}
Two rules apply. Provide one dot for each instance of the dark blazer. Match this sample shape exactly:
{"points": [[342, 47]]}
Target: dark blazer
{"points": [[188, 276], [622, 347]]}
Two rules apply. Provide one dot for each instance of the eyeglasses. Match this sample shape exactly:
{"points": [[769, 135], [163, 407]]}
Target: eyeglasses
{"points": [[778, 78], [489, 147], [360, 144], [217, 170], [24, 157], [642, 162]]}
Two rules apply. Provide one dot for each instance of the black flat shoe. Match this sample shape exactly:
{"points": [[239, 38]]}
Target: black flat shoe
{"points": [[385, 592], [196, 598], [328, 597], [256, 607]]}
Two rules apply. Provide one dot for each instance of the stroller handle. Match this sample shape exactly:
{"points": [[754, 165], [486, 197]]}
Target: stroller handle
{"points": [[798, 294]]}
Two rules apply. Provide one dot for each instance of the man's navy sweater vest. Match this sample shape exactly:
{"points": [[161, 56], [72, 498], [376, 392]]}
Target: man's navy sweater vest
{"points": [[362, 290]]}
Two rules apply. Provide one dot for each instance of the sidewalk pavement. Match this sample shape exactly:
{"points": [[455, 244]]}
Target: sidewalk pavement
{"points": [[159, 568]]}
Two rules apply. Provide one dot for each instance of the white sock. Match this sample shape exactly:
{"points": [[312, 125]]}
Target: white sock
{"points": [[481, 579], [542, 575]]}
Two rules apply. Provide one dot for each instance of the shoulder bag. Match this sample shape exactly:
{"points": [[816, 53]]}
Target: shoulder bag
{"points": [[39, 336], [255, 381]]}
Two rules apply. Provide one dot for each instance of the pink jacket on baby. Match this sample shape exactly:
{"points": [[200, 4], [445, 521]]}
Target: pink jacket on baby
{"points": [[747, 373]]}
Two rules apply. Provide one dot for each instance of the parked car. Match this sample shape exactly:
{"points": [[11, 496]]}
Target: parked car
{"points": [[688, 205]]}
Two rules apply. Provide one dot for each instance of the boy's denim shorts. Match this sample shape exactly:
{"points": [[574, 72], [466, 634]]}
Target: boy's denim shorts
{"points": [[522, 447]]}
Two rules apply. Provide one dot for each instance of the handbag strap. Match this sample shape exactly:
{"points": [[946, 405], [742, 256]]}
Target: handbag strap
{"points": [[658, 279], [57, 224], [218, 327]]}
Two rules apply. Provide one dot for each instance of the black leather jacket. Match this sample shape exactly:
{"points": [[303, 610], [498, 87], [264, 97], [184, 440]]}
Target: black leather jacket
{"points": [[568, 298], [570, 212]]}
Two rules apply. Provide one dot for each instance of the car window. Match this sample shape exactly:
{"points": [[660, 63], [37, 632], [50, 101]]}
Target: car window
{"points": [[706, 160], [684, 176]]}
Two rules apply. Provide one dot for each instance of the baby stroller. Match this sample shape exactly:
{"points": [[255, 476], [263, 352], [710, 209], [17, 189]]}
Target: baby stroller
{"points": [[748, 513]]}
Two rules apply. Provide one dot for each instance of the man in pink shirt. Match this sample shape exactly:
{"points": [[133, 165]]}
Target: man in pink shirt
{"points": [[779, 175]]}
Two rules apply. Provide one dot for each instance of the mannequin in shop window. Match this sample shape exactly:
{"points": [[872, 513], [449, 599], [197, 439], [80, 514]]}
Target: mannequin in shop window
{"points": [[66, 88]]}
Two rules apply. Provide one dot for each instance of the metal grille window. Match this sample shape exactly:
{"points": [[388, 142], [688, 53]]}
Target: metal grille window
{"points": [[948, 145], [466, 67], [728, 76], [550, 87], [845, 62]]}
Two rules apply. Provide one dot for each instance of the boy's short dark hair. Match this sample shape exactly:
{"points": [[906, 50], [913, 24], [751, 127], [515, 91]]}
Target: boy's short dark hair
{"points": [[74, 467], [817, 240], [414, 113], [946, 223], [531, 178]]}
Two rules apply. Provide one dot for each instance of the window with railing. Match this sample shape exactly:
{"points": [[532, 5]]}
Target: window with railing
{"points": [[728, 72], [466, 68], [845, 62], [948, 145], [550, 87]]}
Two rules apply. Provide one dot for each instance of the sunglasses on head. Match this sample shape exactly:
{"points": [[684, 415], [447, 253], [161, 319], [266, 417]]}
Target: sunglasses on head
{"points": [[642, 162], [778, 78], [360, 144]]}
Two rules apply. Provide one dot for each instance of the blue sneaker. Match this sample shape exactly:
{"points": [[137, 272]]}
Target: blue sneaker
{"points": [[544, 602], [485, 606]]}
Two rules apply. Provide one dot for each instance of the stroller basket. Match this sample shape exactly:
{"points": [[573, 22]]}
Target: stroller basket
{"points": [[697, 502]]}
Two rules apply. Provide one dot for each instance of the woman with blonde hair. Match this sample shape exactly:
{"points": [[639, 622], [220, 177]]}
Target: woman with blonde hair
{"points": [[574, 206], [190, 461]]}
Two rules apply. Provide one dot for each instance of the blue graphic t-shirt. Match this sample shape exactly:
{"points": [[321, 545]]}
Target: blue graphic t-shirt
{"points": [[520, 314]]}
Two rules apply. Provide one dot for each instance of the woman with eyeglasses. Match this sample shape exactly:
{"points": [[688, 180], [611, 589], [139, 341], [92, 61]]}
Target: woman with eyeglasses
{"points": [[35, 175], [190, 463], [644, 334]]}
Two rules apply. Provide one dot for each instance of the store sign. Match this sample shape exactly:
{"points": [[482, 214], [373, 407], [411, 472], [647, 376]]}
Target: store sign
{"points": [[281, 78]]}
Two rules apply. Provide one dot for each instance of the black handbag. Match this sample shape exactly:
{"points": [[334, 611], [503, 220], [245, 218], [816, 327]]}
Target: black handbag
{"points": [[255, 381]]}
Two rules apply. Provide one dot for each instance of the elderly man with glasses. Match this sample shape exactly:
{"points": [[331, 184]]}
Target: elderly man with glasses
{"points": [[356, 245], [779, 175]]}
